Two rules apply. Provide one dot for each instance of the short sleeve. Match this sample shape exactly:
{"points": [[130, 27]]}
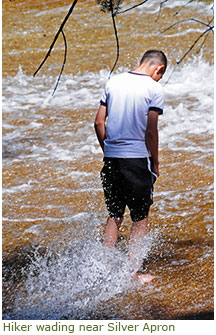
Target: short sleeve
{"points": [[103, 100], [157, 102]]}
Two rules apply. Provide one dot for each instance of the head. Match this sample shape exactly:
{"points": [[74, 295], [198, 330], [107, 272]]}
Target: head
{"points": [[155, 62]]}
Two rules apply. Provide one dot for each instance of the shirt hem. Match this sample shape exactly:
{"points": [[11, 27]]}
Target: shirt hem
{"points": [[125, 156]]}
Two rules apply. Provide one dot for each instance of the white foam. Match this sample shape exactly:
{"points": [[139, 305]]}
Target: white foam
{"points": [[77, 281], [189, 104], [154, 6]]}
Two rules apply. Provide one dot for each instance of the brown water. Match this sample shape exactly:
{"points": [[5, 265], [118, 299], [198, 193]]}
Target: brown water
{"points": [[53, 207]]}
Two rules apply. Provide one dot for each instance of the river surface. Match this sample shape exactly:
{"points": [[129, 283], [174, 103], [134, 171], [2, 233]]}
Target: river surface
{"points": [[54, 264]]}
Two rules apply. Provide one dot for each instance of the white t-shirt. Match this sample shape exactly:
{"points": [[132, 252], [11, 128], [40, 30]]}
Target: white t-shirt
{"points": [[128, 98]]}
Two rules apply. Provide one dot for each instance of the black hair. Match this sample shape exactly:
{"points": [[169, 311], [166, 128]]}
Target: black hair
{"points": [[155, 56]]}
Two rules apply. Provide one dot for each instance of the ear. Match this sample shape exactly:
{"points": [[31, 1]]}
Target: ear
{"points": [[160, 69]]}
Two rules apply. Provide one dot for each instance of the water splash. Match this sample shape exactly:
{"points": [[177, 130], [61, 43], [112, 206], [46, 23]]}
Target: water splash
{"points": [[75, 282]]}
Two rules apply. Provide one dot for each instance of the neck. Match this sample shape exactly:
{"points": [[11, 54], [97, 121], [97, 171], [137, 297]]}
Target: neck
{"points": [[144, 69]]}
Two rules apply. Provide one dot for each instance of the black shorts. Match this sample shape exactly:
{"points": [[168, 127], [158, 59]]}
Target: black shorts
{"points": [[128, 182]]}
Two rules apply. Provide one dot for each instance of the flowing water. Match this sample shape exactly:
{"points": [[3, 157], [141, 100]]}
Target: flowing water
{"points": [[54, 264]]}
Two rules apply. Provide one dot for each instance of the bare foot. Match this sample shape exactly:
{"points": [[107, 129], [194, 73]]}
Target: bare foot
{"points": [[142, 278]]}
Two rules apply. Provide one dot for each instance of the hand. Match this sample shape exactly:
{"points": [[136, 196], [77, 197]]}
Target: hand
{"points": [[156, 168]]}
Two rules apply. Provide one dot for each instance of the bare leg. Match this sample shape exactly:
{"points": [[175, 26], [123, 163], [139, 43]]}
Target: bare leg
{"points": [[139, 230], [111, 231]]}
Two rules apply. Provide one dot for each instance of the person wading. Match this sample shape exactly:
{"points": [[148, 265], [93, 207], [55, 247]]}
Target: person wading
{"points": [[126, 126]]}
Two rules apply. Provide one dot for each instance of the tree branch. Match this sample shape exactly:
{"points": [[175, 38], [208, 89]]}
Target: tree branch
{"points": [[193, 45], [57, 35], [126, 10], [207, 34], [116, 35], [64, 61], [186, 20], [189, 50], [176, 13], [110, 6], [161, 5]]}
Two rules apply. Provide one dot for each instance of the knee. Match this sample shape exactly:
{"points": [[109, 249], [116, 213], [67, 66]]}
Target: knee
{"points": [[116, 221]]}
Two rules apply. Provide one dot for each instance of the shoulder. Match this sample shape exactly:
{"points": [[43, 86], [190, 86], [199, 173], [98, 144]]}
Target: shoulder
{"points": [[157, 88], [117, 77], [116, 80]]}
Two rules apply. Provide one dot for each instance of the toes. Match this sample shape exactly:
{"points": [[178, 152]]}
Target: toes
{"points": [[143, 278]]}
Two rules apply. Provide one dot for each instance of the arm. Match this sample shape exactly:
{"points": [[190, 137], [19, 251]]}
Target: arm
{"points": [[99, 125], [152, 138]]}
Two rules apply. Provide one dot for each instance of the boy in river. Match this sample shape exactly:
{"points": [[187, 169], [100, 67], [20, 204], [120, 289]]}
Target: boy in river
{"points": [[126, 126]]}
